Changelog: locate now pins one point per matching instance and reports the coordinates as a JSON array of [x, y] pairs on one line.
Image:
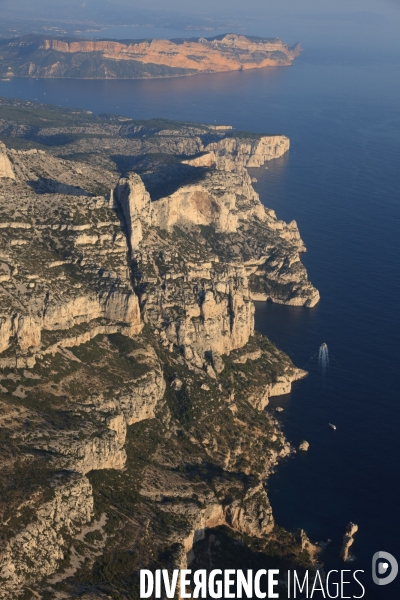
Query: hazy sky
[[326, 22], [262, 7], [277, 7]]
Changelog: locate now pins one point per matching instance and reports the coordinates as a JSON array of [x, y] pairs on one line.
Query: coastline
[[297, 188], [144, 346], [41, 57]]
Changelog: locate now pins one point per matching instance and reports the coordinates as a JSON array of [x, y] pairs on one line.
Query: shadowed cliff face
[[106, 59], [132, 382]]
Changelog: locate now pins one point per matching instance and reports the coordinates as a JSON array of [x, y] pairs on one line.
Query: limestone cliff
[[132, 382], [63, 266], [34, 56], [204, 304], [232, 153], [5, 165]]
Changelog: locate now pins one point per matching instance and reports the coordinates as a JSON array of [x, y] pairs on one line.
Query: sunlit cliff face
[[229, 53]]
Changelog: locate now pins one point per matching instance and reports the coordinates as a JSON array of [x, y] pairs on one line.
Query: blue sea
[[340, 105]]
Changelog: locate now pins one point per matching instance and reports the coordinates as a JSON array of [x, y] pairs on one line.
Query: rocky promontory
[[132, 381], [37, 56]]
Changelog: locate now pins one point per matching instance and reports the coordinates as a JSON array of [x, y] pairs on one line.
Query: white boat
[[333, 426]]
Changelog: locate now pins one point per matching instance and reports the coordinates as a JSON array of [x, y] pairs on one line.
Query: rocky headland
[[132, 382], [37, 56]]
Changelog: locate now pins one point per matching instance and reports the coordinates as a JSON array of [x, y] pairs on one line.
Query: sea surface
[[341, 183]]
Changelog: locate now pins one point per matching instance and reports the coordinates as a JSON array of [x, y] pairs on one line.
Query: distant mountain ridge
[[46, 57]]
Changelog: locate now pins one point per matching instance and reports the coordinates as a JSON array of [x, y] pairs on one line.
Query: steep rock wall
[[206, 305], [6, 169], [232, 153]]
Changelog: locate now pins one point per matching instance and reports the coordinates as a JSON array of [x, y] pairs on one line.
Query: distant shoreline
[[41, 57], [133, 78]]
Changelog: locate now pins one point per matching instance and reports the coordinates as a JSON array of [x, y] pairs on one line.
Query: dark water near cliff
[[341, 183]]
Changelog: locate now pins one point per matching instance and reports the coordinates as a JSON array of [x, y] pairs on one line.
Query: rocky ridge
[[132, 382]]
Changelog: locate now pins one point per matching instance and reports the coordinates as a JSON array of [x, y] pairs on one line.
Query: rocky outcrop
[[90, 436], [92, 450], [64, 266], [249, 514], [35, 551], [211, 309], [281, 387], [217, 317], [232, 153], [283, 384], [309, 299], [217, 201], [32, 56], [252, 515], [139, 403], [100, 443], [348, 540], [27, 329], [5, 164], [135, 204]]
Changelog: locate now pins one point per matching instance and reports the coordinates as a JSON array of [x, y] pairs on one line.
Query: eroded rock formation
[[348, 540]]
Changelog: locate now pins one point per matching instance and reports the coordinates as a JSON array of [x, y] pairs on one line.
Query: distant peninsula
[[45, 57]]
